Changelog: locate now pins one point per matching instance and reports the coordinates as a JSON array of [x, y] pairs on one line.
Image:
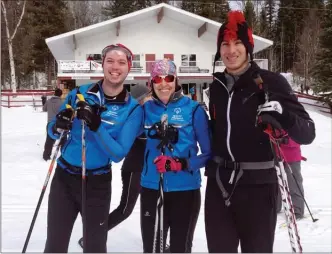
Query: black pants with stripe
[[131, 186], [250, 219], [181, 210], [64, 204]]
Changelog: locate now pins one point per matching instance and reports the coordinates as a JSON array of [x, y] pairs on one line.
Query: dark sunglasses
[[159, 79]]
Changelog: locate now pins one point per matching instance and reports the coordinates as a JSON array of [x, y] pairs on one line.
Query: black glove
[[90, 114], [171, 135], [63, 120]]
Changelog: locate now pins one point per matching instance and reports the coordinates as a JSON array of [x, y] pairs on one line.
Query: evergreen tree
[[116, 8], [250, 15], [269, 9], [141, 4], [263, 24], [211, 9], [322, 69], [44, 19]]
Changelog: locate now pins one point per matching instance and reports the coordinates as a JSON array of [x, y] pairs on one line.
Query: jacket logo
[[112, 111], [177, 110], [177, 116], [115, 108]]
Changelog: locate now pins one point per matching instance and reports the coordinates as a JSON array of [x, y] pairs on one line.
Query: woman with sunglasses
[[175, 125]]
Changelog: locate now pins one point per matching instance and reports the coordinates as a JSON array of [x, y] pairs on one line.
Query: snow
[[24, 172]]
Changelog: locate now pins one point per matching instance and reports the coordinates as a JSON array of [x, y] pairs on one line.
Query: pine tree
[[44, 19], [250, 15], [212, 9], [323, 67], [263, 24], [141, 4], [116, 8], [269, 8]]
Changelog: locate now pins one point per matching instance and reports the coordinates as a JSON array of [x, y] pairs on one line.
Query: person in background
[[52, 106], [291, 152], [131, 169]]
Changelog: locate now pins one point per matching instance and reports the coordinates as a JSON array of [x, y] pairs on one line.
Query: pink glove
[[166, 163]]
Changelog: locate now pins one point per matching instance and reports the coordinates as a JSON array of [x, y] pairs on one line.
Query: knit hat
[[235, 28], [139, 92], [119, 47], [163, 67]]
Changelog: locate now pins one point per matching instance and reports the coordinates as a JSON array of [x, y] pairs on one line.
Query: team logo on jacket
[[115, 107], [177, 110], [177, 116], [113, 111]]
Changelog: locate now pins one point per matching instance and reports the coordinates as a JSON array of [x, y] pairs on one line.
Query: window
[[136, 61], [218, 63], [188, 60], [94, 57]]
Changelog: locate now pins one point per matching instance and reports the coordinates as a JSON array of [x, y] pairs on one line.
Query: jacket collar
[[96, 89], [243, 79]]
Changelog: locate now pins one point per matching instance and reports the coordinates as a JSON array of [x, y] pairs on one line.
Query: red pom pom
[[234, 18]]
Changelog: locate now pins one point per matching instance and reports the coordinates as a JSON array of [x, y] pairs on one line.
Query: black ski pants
[[64, 204], [131, 186], [250, 219], [181, 210]]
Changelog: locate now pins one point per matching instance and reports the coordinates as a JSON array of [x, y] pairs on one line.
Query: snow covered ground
[[23, 173]]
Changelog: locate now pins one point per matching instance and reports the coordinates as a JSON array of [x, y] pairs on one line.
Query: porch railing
[[90, 66]]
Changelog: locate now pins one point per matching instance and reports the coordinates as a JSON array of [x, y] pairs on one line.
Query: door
[[149, 60]]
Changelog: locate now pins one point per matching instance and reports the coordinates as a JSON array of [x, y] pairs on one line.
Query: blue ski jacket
[[191, 121], [122, 122]]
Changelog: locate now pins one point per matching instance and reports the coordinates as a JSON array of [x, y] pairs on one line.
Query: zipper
[[229, 126], [146, 162]]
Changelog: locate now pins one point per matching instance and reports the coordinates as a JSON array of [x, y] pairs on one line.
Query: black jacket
[[134, 160], [233, 117]]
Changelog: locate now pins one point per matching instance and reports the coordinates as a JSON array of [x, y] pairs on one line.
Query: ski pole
[[81, 98], [50, 169], [286, 197], [298, 186], [160, 202], [49, 172]]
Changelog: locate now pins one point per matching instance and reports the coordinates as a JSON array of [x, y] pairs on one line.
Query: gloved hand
[[270, 113], [171, 135], [89, 114], [63, 120], [166, 163]]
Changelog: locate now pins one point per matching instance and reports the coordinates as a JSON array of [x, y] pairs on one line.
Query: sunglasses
[[118, 46], [159, 79]]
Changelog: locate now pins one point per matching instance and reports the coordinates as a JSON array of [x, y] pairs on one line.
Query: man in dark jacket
[[241, 192], [131, 170], [52, 106]]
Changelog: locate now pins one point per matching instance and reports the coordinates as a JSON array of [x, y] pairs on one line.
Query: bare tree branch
[[19, 21]]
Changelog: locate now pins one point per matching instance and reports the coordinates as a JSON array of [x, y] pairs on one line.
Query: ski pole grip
[[80, 97]]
